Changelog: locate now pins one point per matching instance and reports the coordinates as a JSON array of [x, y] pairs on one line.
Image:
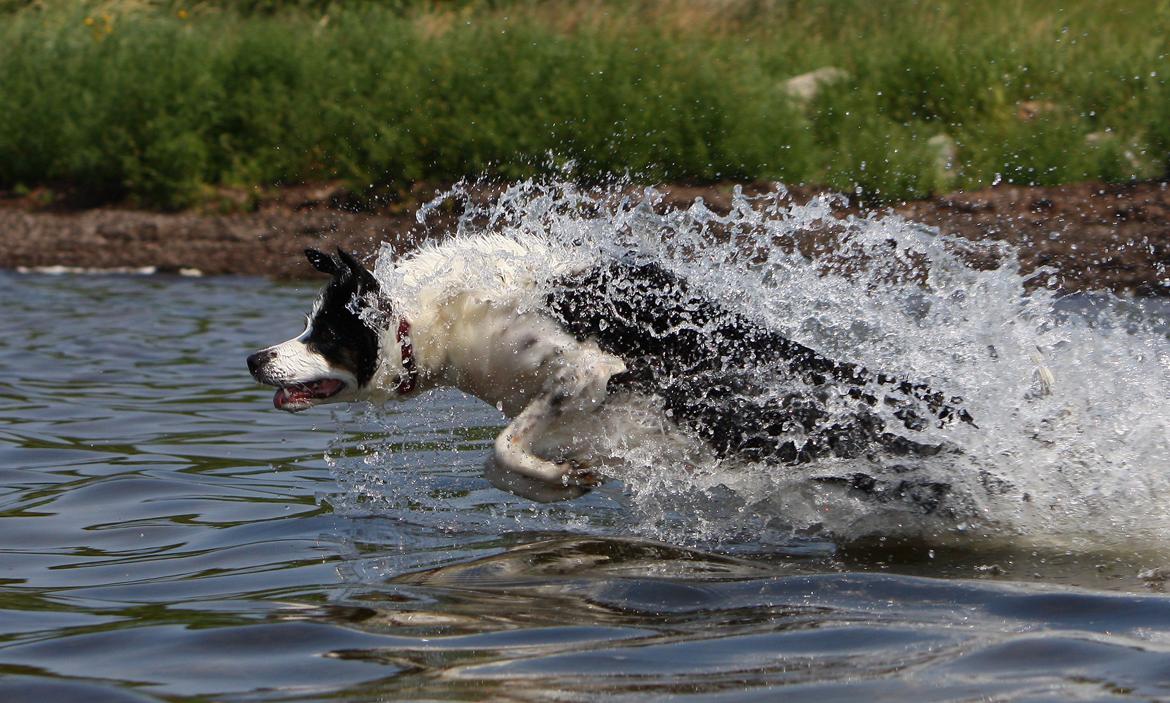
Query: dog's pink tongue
[[287, 396], [281, 398], [299, 394]]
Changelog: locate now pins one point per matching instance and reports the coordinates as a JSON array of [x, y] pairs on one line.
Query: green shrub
[[158, 101]]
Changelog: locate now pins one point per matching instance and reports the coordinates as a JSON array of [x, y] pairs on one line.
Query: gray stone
[[945, 153], [804, 88]]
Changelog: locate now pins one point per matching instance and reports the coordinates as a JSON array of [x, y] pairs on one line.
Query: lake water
[[166, 535]]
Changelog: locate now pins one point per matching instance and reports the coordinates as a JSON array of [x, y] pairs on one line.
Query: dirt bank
[[1096, 236]]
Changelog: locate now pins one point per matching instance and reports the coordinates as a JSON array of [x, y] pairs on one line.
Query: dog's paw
[[577, 474], [540, 490]]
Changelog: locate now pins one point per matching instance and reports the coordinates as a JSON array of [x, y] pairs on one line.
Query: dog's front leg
[[516, 468]]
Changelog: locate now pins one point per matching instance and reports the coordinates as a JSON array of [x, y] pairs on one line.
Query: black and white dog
[[554, 341]]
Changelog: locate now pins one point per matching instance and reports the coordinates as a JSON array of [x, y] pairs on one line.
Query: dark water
[[166, 535]]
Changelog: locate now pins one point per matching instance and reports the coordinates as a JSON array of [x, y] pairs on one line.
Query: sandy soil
[[1096, 236]]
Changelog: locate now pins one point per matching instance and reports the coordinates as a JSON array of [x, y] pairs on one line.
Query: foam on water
[[1070, 396]]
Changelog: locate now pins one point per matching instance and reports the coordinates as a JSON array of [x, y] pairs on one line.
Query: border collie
[[554, 340]]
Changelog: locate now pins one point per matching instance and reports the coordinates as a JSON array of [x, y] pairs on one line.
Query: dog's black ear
[[360, 271], [322, 262]]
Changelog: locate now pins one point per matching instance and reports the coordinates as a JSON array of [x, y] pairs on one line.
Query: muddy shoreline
[[1096, 236]]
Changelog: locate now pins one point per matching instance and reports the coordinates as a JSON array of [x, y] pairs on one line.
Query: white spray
[[1072, 399]]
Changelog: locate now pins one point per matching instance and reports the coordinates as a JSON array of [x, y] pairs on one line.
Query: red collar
[[409, 377]]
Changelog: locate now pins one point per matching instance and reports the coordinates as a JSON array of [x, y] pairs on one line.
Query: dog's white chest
[[506, 357]]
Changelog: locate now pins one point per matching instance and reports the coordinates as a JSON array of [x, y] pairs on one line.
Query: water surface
[[166, 535]]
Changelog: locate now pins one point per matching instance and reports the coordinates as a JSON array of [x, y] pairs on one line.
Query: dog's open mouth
[[299, 396]]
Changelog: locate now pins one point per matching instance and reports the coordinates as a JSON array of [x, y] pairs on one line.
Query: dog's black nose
[[257, 361]]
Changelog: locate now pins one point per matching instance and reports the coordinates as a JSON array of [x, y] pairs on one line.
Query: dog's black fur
[[338, 331], [716, 371]]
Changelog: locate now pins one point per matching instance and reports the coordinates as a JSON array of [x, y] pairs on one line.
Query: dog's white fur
[[474, 326], [293, 363]]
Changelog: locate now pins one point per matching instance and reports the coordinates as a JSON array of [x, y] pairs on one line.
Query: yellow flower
[[88, 21], [182, 13]]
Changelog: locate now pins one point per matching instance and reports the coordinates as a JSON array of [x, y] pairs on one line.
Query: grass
[[161, 102]]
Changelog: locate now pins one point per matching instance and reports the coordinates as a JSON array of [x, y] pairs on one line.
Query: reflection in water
[[576, 617]]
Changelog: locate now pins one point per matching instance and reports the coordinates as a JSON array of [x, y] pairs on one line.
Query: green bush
[[160, 101]]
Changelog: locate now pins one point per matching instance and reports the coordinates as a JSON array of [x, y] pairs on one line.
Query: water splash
[[1073, 437]]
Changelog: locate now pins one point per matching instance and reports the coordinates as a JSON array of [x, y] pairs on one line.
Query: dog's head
[[336, 357]]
